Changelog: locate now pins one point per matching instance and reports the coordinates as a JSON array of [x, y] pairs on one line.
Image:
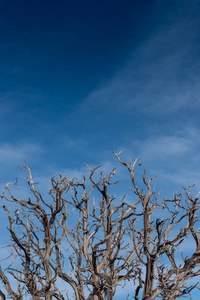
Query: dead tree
[[84, 237]]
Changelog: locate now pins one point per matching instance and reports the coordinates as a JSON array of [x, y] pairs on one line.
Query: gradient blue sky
[[82, 78]]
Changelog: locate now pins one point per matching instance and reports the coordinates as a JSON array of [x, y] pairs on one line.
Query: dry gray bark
[[97, 245]]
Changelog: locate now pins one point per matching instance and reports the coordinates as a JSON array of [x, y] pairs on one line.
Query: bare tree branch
[[85, 238]]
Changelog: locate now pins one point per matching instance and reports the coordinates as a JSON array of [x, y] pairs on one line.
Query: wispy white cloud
[[163, 146], [175, 159], [161, 76], [14, 153]]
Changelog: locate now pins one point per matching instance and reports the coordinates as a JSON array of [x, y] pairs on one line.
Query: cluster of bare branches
[[88, 239]]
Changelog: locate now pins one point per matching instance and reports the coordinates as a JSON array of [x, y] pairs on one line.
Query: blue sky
[[82, 78]]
